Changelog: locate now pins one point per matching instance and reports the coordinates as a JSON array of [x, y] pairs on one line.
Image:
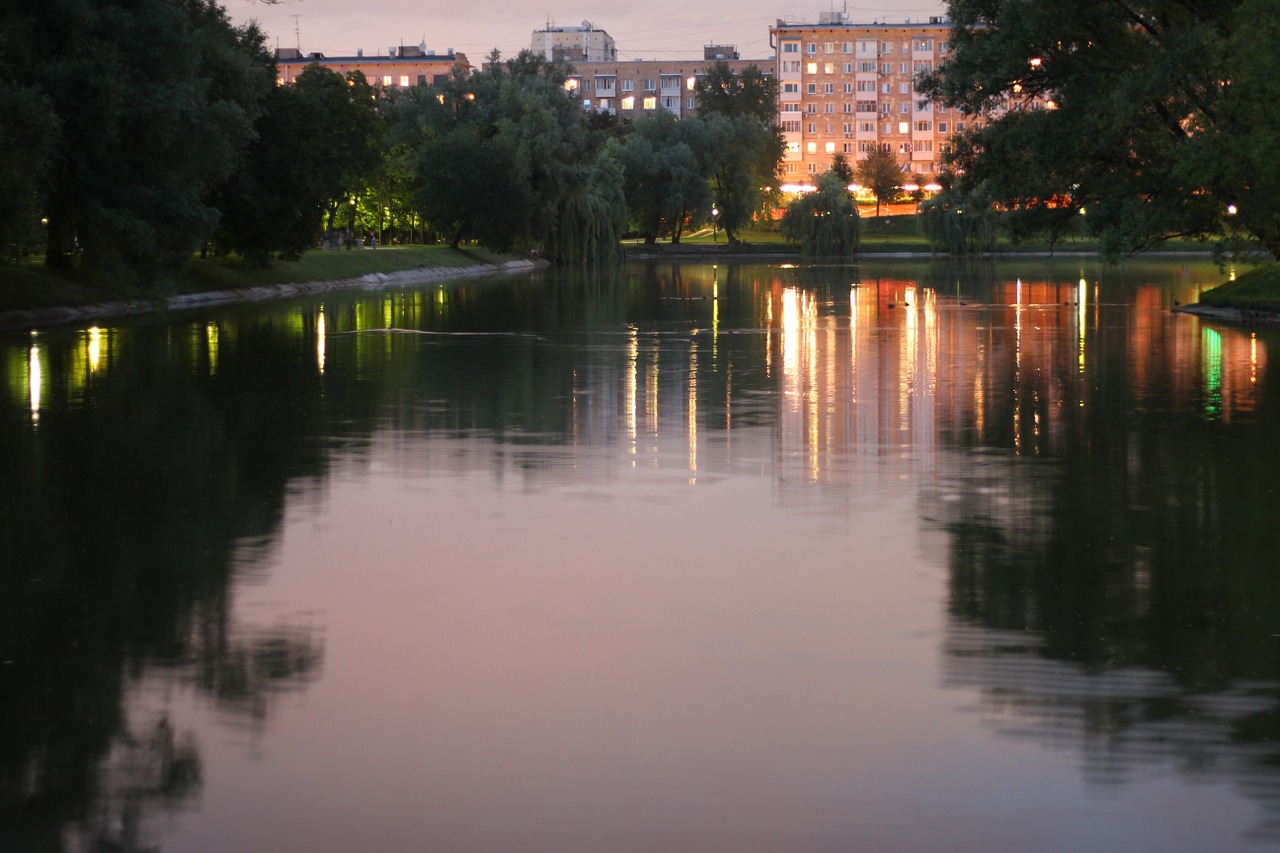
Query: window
[[812, 88], [886, 109], [811, 68], [811, 48], [924, 145], [829, 88], [692, 103], [811, 109], [887, 128], [886, 88], [386, 81], [847, 47], [790, 88], [904, 107], [791, 66], [848, 68], [812, 148], [791, 127], [847, 107], [848, 127], [586, 103], [866, 85], [923, 65], [942, 127], [629, 103], [867, 146], [793, 148], [942, 47], [959, 127], [628, 85], [670, 84], [886, 68], [886, 47], [791, 47], [847, 89], [828, 68], [422, 79], [867, 48], [866, 68], [813, 128], [690, 83], [669, 103], [828, 108], [904, 88], [904, 127], [829, 148], [866, 127], [904, 68], [848, 148], [829, 47], [650, 86], [830, 127], [786, 108], [813, 168], [650, 103], [866, 106], [404, 81], [924, 126], [923, 44], [792, 168]]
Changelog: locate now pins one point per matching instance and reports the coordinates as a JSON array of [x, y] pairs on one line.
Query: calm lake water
[[751, 558]]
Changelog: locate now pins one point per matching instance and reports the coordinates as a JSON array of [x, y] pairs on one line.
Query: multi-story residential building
[[401, 68], [583, 43], [847, 88], [630, 89]]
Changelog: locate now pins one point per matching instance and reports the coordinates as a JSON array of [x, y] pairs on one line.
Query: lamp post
[[715, 224], [351, 230]]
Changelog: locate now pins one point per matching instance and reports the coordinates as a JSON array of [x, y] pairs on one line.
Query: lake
[[751, 557]]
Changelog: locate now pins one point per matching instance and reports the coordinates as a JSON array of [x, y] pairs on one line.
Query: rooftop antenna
[[297, 33]]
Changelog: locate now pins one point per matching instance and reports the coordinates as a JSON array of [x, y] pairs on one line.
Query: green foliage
[[1159, 119], [317, 143], [27, 134], [959, 224], [751, 93], [824, 222], [155, 102], [665, 180], [506, 158], [881, 174]]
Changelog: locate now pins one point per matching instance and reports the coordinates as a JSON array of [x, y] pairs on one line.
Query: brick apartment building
[[401, 67]]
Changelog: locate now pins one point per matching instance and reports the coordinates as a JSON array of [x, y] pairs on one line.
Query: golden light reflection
[[651, 396], [95, 349], [693, 413], [1082, 301], [632, 389], [35, 378], [320, 340], [1253, 358], [211, 345]]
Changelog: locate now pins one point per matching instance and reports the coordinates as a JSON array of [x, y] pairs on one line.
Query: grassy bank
[[1256, 290], [32, 285]]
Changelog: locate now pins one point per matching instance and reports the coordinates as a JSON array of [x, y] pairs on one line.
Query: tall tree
[[881, 174], [155, 102], [1133, 98], [665, 183], [742, 145], [318, 143]]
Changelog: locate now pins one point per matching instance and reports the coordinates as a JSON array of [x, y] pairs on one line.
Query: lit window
[[830, 148], [688, 84], [629, 103], [811, 67], [650, 103], [904, 127], [813, 147], [386, 81]]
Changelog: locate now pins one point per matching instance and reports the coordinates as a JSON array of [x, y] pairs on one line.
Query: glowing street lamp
[[715, 224]]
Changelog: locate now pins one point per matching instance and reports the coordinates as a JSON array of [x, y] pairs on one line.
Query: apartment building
[[846, 88], [401, 67], [632, 88], [585, 43]]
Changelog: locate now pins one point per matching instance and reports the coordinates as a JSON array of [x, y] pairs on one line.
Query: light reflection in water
[[320, 340], [35, 378]]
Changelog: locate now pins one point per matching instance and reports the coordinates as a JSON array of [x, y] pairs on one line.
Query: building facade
[[848, 88], [631, 89], [583, 43], [401, 68]]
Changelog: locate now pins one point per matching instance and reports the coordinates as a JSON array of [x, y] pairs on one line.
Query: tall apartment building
[[630, 89], [400, 68], [584, 43], [846, 88]]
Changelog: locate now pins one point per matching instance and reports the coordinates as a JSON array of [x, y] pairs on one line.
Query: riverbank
[[31, 297], [1254, 298]]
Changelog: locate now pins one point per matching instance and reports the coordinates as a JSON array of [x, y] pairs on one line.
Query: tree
[[665, 183], [318, 143], [27, 134], [506, 157], [958, 224], [825, 221], [741, 144], [1129, 112], [840, 165], [881, 174], [155, 102]]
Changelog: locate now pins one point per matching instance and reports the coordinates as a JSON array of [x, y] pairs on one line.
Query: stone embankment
[[57, 315]]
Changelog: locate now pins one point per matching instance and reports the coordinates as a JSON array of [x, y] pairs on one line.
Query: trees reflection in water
[[1104, 478]]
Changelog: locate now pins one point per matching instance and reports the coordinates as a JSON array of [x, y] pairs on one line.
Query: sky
[[657, 29]]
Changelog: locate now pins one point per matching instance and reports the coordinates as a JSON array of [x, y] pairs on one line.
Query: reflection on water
[[745, 498]]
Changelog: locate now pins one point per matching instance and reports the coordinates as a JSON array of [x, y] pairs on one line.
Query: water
[[888, 557]]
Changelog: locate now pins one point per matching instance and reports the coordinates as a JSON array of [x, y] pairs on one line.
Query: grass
[[32, 285], [1256, 290]]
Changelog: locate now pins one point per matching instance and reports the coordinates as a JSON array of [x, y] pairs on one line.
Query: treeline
[[139, 132]]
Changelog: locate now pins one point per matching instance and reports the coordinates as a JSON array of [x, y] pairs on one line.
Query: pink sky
[[659, 29]]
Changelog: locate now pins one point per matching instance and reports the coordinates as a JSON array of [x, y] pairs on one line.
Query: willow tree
[[825, 221]]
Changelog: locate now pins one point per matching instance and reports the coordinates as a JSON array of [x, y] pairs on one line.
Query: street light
[[351, 238], [715, 223]]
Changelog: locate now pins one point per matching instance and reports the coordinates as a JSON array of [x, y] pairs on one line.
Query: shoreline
[[29, 318]]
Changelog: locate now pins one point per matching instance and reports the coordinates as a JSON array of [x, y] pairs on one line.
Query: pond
[[749, 557]]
